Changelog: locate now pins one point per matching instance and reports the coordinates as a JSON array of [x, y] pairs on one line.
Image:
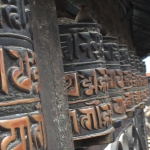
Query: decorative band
[[84, 63], [94, 135], [85, 100], [22, 101]]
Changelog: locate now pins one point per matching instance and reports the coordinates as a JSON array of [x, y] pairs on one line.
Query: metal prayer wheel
[[135, 80], [86, 80], [146, 82], [21, 119], [143, 83], [145, 89], [115, 74], [139, 82], [127, 79]]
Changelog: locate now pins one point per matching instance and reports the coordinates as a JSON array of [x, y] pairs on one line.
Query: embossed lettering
[[119, 78], [38, 131], [135, 80], [18, 78], [106, 115], [96, 44], [3, 81], [115, 78], [111, 51], [89, 82], [66, 46], [128, 99], [18, 123], [99, 116], [85, 47], [137, 97], [103, 80], [72, 84], [34, 72], [74, 32], [88, 120], [127, 78], [74, 120], [112, 81], [124, 59], [118, 106], [12, 16]]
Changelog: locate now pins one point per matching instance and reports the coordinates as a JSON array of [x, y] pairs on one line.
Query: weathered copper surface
[[112, 75], [145, 86], [115, 74], [86, 80], [135, 81], [21, 119], [139, 81], [127, 79], [144, 83], [105, 83]]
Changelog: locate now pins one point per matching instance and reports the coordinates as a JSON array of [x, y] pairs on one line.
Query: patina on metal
[[143, 84], [135, 82], [86, 81], [21, 118], [139, 82], [115, 74], [127, 89], [127, 79]]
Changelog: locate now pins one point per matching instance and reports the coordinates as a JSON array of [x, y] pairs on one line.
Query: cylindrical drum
[[145, 89], [146, 83], [139, 81], [21, 119], [143, 85], [86, 80], [115, 83], [135, 82], [127, 79]]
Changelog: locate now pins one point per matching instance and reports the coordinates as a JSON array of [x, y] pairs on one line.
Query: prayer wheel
[[127, 79], [139, 82], [115, 74], [86, 80], [21, 118]]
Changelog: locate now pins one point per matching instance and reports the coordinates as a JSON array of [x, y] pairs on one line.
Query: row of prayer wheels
[[105, 81]]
